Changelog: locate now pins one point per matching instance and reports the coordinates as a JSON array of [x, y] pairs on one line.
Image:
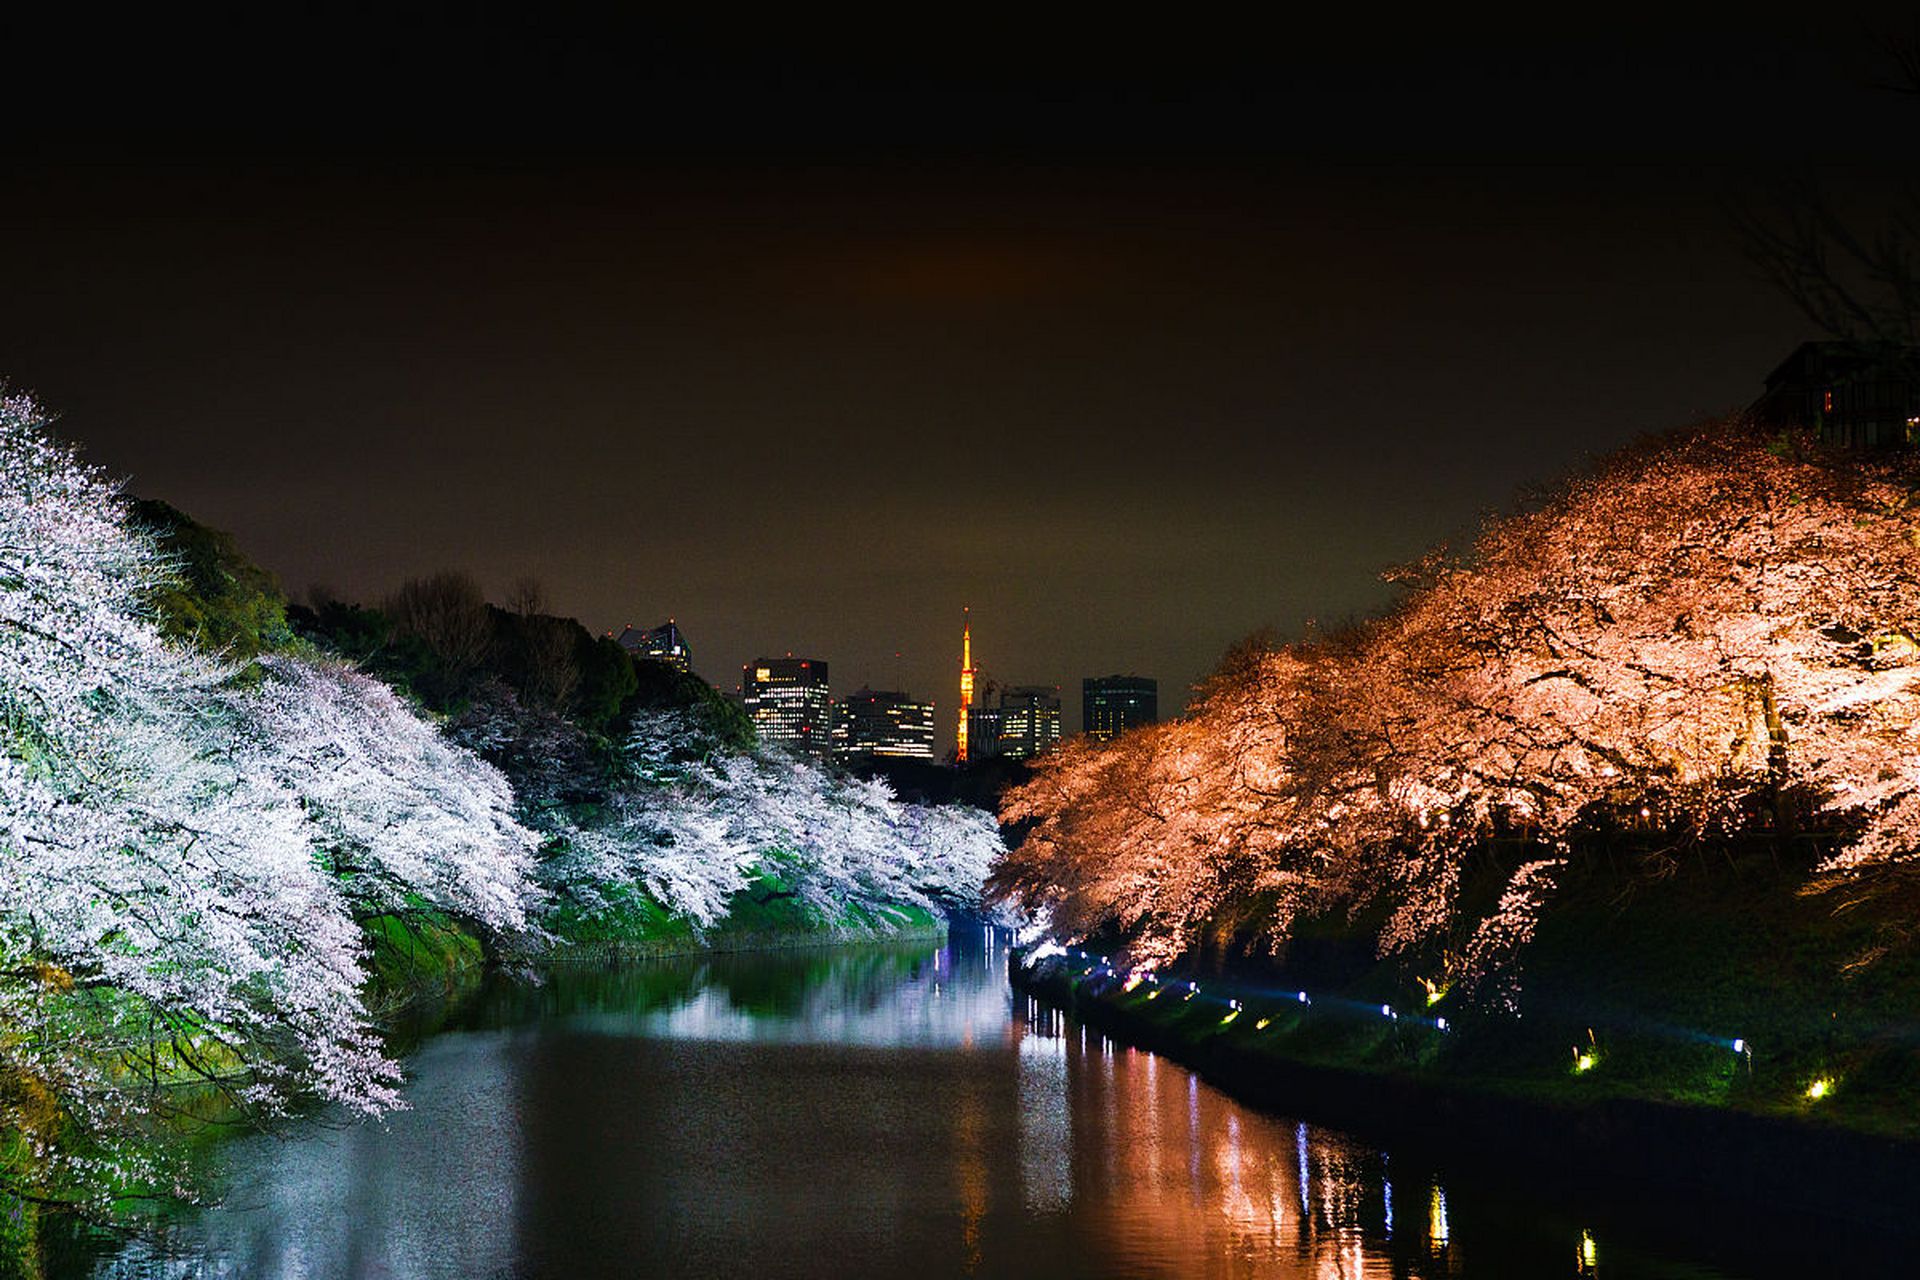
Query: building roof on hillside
[[1828, 359]]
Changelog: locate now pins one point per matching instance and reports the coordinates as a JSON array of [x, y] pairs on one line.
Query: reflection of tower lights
[[970, 1172], [966, 682], [1305, 1178], [1437, 1216]]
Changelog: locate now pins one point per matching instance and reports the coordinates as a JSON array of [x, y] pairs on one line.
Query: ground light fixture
[[1586, 1059], [1820, 1087], [1132, 979]]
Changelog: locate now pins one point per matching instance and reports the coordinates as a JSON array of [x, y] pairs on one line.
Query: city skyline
[[883, 675], [636, 640]]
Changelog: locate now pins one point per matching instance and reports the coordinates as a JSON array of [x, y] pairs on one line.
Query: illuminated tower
[[966, 680]]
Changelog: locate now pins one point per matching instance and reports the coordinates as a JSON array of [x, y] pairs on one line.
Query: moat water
[[877, 1111]]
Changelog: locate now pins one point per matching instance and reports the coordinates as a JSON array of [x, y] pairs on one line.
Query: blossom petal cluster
[[691, 825]]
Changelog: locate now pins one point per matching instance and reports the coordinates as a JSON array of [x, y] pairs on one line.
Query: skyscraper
[[1029, 720], [1110, 705], [983, 732], [788, 702], [664, 643], [878, 724]]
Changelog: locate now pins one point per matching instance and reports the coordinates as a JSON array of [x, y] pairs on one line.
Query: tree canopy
[[1705, 634]]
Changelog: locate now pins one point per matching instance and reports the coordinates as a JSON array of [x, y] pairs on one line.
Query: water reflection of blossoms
[[1184, 1175]]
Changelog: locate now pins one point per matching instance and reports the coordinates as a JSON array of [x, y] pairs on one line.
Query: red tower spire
[[966, 681]]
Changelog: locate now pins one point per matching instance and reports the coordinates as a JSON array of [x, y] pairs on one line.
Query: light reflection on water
[[860, 1111]]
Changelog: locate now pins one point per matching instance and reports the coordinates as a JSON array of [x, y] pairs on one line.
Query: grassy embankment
[[1633, 994], [764, 916]]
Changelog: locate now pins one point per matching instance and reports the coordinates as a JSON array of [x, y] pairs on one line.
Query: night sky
[[1134, 348]]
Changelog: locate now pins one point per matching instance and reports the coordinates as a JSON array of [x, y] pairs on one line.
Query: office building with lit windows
[[983, 732], [788, 702], [880, 724], [1111, 705], [664, 643], [1029, 720]]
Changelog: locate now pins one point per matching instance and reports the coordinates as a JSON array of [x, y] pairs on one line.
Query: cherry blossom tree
[[160, 900], [406, 819], [184, 851], [692, 824], [947, 851], [1700, 635]]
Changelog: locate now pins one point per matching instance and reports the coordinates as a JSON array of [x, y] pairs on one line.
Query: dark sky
[[1134, 346]]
